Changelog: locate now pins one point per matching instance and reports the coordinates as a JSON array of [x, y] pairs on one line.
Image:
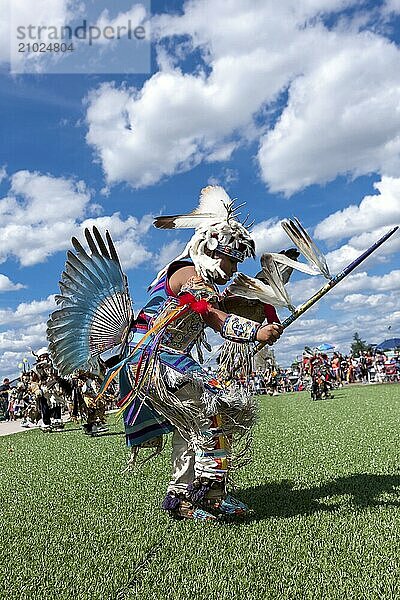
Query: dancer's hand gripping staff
[[331, 283]]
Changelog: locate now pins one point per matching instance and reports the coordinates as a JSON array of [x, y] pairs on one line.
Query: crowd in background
[[41, 398], [336, 369]]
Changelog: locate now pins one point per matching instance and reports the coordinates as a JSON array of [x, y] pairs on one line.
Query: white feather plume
[[293, 264], [254, 289], [272, 275], [214, 205], [306, 245]]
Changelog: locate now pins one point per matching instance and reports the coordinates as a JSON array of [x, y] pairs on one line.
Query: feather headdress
[[214, 206], [217, 228]]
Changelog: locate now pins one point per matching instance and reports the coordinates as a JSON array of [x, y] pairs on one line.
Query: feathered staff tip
[[299, 236]]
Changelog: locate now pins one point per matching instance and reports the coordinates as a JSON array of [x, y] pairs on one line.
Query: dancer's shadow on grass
[[361, 490]]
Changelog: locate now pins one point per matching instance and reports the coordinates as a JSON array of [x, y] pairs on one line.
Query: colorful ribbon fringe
[[148, 346]]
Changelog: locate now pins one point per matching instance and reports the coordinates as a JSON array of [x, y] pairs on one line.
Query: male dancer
[[162, 387]]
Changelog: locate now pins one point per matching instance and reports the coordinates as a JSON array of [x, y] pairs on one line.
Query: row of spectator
[[337, 370]]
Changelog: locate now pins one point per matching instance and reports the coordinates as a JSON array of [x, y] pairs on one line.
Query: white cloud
[[3, 173], [378, 283], [18, 13], [126, 236], [225, 177], [28, 313], [176, 120], [22, 340], [136, 16], [358, 300], [366, 239], [341, 257], [341, 115], [6, 285], [384, 302], [10, 361], [344, 255], [144, 151], [392, 6], [42, 21], [41, 213], [46, 197], [221, 153], [269, 236], [303, 289], [168, 252], [364, 224], [26, 330], [374, 211]]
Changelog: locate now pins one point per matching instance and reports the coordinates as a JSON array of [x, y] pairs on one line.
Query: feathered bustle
[[95, 311]]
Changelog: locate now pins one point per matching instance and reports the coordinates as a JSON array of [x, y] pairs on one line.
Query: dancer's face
[[228, 266]]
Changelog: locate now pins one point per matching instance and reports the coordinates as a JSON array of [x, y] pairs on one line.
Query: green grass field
[[324, 483]]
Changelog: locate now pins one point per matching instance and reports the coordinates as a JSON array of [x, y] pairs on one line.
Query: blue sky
[[294, 109]]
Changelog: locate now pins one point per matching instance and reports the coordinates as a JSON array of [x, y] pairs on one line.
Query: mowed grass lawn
[[324, 483]]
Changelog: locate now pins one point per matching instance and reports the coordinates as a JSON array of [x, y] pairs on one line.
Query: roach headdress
[[217, 229]]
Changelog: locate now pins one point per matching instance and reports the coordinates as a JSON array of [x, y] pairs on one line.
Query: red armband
[[202, 307]]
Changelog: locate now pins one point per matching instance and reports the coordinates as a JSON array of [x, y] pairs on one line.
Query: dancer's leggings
[[208, 461]]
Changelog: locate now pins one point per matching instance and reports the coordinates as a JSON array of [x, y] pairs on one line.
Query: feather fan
[[94, 307]]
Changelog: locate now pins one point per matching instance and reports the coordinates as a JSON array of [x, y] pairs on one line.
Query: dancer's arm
[[216, 318]]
